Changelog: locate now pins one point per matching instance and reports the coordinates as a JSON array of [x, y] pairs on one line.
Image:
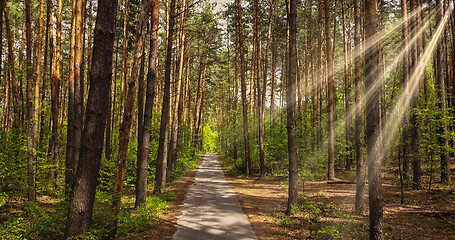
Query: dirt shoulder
[[327, 211]]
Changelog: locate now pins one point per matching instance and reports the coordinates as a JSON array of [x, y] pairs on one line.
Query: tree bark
[[360, 165], [83, 197], [347, 92], [125, 126], [414, 121], [55, 87], [124, 86], [172, 163], [440, 87], [11, 70], [372, 130], [405, 45], [242, 80], [75, 98], [142, 163], [161, 161], [330, 82], [33, 130], [259, 90], [290, 106]]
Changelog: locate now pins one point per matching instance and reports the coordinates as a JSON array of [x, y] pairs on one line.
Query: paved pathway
[[211, 210]]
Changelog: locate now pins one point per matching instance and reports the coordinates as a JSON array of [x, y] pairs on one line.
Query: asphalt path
[[211, 210]]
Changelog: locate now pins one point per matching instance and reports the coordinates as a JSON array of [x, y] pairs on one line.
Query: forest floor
[[326, 211], [165, 226]]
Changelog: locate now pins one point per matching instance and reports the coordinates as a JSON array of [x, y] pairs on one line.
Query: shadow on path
[[211, 210]]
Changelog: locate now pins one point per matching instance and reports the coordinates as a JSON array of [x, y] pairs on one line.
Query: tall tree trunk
[[48, 54], [290, 106], [242, 80], [142, 163], [55, 87], [161, 160], [29, 115], [414, 121], [125, 126], [11, 70], [75, 93], [172, 162], [330, 83], [83, 197], [257, 35], [273, 78], [405, 45], [440, 86], [124, 86], [347, 93], [360, 166], [372, 125], [319, 79], [33, 130]]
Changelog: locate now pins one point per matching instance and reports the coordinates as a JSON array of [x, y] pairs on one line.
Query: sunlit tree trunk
[[162, 147], [405, 43], [372, 130], [347, 92], [319, 81], [360, 166], [125, 126], [83, 197], [142, 163], [75, 92], [172, 162], [330, 82], [33, 128], [124, 86], [273, 78], [259, 90], [243, 86], [414, 121]]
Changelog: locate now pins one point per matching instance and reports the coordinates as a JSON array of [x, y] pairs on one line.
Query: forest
[[332, 119]]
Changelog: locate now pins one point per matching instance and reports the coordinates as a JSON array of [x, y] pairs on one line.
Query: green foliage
[[140, 219], [330, 232], [208, 138], [37, 223], [13, 166]]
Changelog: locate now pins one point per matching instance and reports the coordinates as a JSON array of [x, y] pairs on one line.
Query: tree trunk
[[330, 82], [75, 93], [347, 93], [242, 80], [33, 130], [259, 90], [440, 86], [11, 70], [161, 161], [172, 162], [372, 130], [55, 87], [142, 163], [124, 86], [290, 106], [273, 79], [360, 166], [83, 197], [414, 121], [125, 126]]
